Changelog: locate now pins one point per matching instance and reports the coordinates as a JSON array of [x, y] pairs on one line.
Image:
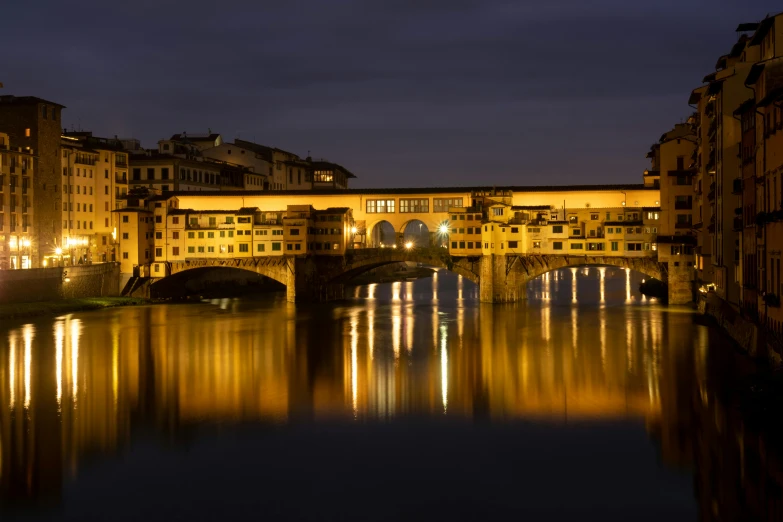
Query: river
[[408, 401]]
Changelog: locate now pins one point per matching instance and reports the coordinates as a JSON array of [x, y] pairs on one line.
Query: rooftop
[[26, 100]]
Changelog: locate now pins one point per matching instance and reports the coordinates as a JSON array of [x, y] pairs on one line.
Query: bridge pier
[[680, 284], [499, 282]]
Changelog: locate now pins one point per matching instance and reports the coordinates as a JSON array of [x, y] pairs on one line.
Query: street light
[[443, 228], [409, 245], [59, 253]]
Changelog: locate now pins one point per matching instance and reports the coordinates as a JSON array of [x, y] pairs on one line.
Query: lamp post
[[444, 232], [59, 253]]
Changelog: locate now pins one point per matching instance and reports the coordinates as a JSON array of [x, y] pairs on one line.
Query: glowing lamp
[[444, 228], [353, 230], [409, 245], [58, 251]]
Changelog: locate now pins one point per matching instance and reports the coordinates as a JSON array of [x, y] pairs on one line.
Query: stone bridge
[[501, 278]]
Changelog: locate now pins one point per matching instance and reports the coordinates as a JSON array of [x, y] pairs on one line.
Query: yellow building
[[94, 183], [135, 231], [17, 235]]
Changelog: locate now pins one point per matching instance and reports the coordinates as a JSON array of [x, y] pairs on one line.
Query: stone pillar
[[307, 280], [680, 283], [495, 286]]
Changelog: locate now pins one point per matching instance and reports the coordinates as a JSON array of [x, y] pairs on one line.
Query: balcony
[[121, 179], [737, 224], [736, 186], [121, 162]]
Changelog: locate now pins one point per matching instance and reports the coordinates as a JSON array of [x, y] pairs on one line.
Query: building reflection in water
[[79, 386]]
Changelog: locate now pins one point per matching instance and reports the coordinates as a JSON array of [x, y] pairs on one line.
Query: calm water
[[410, 401]]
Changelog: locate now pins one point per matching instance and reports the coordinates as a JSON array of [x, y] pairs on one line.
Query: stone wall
[[50, 284], [742, 330]]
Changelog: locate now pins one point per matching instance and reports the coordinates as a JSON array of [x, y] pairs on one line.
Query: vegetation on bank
[[64, 306]]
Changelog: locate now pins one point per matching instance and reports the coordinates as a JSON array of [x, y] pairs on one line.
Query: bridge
[[500, 278], [313, 242]]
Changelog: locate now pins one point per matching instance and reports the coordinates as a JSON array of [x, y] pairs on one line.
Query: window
[[323, 176], [454, 244], [515, 230], [174, 251], [125, 255], [594, 217], [158, 219], [577, 246], [380, 206], [414, 205], [243, 247], [297, 247], [289, 246], [158, 235], [201, 235], [536, 244], [470, 244], [633, 247], [443, 204], [210, 235], [615, 246], [595, 246], [276, 247], [557, 229], [294, 231], [201, 250], [136, 174], [175, 235], [260, 247], [498, 211], [125, 235], [158, 252], [557, 245], [211, 249], [175, 221], [513, 244], [576, 231]]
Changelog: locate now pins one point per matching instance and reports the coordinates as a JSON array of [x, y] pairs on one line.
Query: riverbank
[[64, 306]]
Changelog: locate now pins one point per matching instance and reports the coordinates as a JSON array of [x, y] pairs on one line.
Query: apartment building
[[17, 235], [135, 230], [765, 80], [33, 125], [94, 185]]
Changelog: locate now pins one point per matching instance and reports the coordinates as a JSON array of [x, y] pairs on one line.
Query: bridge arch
[[381, 232], [537, 265], [469, 268], [275, 268]]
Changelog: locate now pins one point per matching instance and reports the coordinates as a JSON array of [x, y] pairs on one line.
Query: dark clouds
[[405, 92]]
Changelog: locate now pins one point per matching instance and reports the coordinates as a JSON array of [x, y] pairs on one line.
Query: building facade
[[17, 233], [33, 125]]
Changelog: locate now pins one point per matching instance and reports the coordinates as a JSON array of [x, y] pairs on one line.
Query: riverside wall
[[51, 284]]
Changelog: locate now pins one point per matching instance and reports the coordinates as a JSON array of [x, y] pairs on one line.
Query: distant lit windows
[[380, 206], [443, 204], [414, 205], [323, 176], [536, 244]]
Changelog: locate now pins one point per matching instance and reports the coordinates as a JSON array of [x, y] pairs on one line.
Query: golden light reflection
[[573, 285], [602, 334], [371, 332], [409, 290], [547, 287], [575, 331], [396, 291], [371, 290], [115, 360], [59, 338], [444, 367], [396, 328], [602, 287], [12, 369], [27, 333], [628, 285], [409, 322], [460, 288], [75, 332], [355, 362], [435, 285]]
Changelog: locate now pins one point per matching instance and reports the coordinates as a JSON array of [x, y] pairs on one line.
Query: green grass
[[17, 310]]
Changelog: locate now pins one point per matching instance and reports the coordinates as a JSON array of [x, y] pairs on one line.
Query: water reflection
[[590, 349]]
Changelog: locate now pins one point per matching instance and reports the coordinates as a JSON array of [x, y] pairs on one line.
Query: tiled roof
[[25, 100]]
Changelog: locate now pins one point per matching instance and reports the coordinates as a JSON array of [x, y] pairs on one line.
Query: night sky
[[403, 93]]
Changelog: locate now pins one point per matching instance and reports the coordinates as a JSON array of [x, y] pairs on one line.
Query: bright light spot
[[444, 228], [394, 246], [409, 245], [58, 251], [353, 230], [44, 263], [444, 367], [27, 333]]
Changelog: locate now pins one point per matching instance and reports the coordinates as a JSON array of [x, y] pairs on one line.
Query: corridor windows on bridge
[[244, 247], [409, 206], [276, 247], [380, 206], [577, 246], [191, 250], [595, 246], [444, 204]]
